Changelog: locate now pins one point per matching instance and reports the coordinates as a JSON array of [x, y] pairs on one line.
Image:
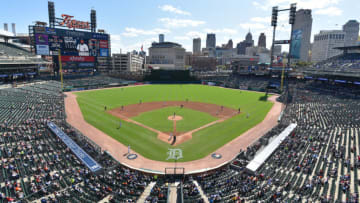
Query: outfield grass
[[158, 119], [144, 141]]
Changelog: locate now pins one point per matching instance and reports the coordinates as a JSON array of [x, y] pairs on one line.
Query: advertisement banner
[[78, 58], [42, 49], [77, 62], [41, 39], [296, 44], [104, 44], [104, 52]]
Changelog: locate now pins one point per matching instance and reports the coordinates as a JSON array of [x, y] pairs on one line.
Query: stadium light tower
[[275, 11], [292, 16], [51, 10]]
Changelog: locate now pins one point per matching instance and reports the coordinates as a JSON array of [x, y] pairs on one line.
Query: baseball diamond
[[210, 117]]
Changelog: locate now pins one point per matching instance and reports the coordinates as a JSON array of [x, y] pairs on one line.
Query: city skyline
[[137, 24]]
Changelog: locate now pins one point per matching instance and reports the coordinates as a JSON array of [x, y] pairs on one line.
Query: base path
[[117, 149], [126, 112], [133, 110]]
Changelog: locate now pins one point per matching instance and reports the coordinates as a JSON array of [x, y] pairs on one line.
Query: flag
[[141, 47]]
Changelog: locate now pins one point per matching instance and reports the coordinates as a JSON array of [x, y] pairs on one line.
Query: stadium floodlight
[[51, 9], [275, 11], [93, 20], [292, 14]]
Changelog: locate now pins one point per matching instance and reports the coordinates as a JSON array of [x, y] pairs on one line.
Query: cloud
[[195, 34], [181, 38], [261, 19], [146, 43], [116, 43], [134, 32], [331, 11], [306, 4], [253, 26], [172, 9], [180, 23], [221, 31]]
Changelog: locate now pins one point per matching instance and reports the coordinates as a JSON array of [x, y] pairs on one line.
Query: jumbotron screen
[[71, 43], [78, 49]]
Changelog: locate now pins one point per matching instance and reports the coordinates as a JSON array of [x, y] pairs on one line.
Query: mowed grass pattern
[[158, 119], [144, 141]]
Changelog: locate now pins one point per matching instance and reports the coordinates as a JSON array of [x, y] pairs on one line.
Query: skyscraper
[[210, 40], [303, 24], [325, 42], [248, 42], [262, 40], [197, 46], [351, 29], [230, 44], [161, 38]]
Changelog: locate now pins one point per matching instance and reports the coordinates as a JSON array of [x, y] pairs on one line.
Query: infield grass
[[158, 119], [145, 142]]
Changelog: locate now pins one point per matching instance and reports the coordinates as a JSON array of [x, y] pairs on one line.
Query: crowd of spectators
[[349, 63], [318, 162]]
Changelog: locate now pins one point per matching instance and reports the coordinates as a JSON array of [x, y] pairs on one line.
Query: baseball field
[[133, 116]]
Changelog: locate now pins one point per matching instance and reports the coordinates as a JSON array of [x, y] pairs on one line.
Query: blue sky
[[133, 23]]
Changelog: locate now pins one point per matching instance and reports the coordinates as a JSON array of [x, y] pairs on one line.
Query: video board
[[70, 42]]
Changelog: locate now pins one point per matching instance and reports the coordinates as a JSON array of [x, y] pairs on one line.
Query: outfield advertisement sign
[[296, 43], [76, 149], [73, 62]]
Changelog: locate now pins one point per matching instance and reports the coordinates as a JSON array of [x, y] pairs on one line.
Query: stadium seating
[[318, 162], [95, 82], [349, 63], [9, 49], [35, 164]]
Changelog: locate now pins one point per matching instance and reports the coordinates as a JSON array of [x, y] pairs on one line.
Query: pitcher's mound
[[176, 118]]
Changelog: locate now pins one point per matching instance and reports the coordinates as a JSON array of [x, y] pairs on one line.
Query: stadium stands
[[318, 162], [36, 164], [8, 49], [94, 82], [339, 65]]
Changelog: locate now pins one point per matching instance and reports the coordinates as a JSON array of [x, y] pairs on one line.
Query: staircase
[[201, 191], [146, 192], [173, 192]]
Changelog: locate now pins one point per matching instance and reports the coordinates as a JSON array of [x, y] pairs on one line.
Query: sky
[[136, 23]]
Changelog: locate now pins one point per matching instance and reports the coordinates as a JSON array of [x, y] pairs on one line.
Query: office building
[[351, 29], [302, 26], [262, 40], [167, 56], [210, 40], [277, 50], [128, 62], [203, 63], [248, 42], [197, 46], [161, 38], [325, 42]]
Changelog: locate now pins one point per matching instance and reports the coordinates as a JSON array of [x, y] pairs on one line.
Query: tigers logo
[[70, 23], [174, 154]]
